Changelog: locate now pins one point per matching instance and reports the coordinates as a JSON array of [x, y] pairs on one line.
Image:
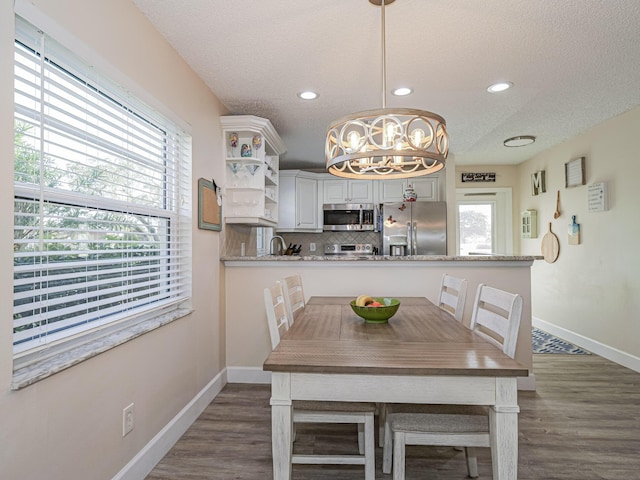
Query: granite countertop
[[382, 258]]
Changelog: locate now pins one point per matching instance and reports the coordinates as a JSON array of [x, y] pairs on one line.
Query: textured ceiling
[[574, 63]]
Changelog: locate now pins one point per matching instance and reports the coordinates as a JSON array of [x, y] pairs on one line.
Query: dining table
[[422, 355]]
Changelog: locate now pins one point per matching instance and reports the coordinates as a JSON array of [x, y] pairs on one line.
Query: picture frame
[[538, 183], [209, 212], [478, 177], [574, 174]]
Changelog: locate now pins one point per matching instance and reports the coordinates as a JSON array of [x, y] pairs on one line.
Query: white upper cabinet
[[299, 209], [251, 151], [427, 189], [347, 191]]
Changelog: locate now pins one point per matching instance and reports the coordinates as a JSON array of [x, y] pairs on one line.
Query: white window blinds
[[102, 227]]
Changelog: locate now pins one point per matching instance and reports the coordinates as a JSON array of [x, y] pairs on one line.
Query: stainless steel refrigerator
[[413, 228]]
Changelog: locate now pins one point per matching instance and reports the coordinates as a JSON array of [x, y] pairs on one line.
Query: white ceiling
[[574, 63]]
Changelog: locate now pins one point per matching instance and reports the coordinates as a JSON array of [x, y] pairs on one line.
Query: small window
[[476, 227], [484, 224]]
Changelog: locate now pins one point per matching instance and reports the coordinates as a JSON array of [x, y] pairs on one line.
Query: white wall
[[69, 425], [591, 294]]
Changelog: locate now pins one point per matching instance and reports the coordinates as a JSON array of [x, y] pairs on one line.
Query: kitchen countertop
[[382, 258]]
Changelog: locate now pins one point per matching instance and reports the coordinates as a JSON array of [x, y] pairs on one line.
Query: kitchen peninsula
[[247, 335]]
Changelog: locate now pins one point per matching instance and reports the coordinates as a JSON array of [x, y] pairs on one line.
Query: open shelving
[[251, 150]]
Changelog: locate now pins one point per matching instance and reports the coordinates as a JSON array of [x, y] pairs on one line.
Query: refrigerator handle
[[409, 239], [414, 239]]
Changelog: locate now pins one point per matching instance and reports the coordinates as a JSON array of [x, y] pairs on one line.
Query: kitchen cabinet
[[427, 189], [347, 191], [298, 206], [251, 151]]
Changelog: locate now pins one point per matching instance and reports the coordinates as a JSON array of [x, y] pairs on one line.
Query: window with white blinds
[[102, 216]]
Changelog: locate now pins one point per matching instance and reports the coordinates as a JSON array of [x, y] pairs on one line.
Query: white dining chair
[[453, 293], [496, 317], [293, 296], [359, 413], [451, 298]]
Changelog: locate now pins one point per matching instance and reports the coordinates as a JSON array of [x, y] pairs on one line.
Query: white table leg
[[281, 425], [503, 419]]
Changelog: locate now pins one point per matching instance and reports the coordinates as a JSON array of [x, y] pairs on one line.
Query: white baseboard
[[610, 353], [147, 458], [527, 383], [248, 375]]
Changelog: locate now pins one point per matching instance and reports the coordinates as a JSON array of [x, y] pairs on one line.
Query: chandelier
[[388, 142]]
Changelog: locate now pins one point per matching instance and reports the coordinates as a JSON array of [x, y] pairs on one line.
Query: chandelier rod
[[384, 60]]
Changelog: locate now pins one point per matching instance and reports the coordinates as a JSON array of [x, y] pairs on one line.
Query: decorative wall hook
[[218, 191]]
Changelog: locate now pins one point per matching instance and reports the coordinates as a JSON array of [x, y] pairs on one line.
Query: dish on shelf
[[245, 150], [257, 142]]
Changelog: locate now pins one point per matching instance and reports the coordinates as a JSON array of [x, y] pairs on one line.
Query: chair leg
[[472, 461], [398, 456], [361, 438], [382, 418], [369, 447], [387, 448]]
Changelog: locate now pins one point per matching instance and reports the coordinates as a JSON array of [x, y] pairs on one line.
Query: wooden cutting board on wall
[[550, 246], [574, 232]]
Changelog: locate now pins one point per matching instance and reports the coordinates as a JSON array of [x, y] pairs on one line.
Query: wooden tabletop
[[420, 339]]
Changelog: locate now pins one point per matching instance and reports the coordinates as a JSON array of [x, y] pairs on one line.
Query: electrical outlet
[[312, 247], [127, 420]]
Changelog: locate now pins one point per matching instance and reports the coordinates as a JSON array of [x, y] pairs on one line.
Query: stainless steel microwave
[[348, 217]]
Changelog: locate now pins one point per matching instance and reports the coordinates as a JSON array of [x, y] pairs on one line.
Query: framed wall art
[[209, 211], [538, 183], [574, 174], [478, 177]]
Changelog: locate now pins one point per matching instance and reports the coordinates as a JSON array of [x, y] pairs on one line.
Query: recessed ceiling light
[[308, 95], [520, 141], [499, 87], [402, 91]]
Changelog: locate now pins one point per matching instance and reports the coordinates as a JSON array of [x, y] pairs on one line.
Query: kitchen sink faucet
[[280, 249]]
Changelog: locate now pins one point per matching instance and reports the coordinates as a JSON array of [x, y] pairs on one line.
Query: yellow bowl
[[377, 314]]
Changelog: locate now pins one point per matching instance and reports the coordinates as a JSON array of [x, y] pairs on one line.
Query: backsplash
[[321, 239], [236, 234]]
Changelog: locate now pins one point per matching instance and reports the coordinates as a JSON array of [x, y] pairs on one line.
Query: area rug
[[544, 342]]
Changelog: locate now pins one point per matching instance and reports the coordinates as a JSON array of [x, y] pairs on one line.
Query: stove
[[354, 249]]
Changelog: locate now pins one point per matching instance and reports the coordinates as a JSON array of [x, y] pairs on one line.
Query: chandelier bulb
[[354, 140], [417, 136], [389, 133]]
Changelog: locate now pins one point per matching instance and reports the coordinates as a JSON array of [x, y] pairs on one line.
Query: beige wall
[[69, 425], [593, 289]]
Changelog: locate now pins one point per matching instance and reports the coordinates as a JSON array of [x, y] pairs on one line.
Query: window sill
[[43, 364]]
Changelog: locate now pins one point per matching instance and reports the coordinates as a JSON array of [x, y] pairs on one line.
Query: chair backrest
[[496, 316], [276, 309], [453, 293], [293, 296]]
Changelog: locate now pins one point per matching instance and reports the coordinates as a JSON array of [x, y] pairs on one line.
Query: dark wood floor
[[583, 422]]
